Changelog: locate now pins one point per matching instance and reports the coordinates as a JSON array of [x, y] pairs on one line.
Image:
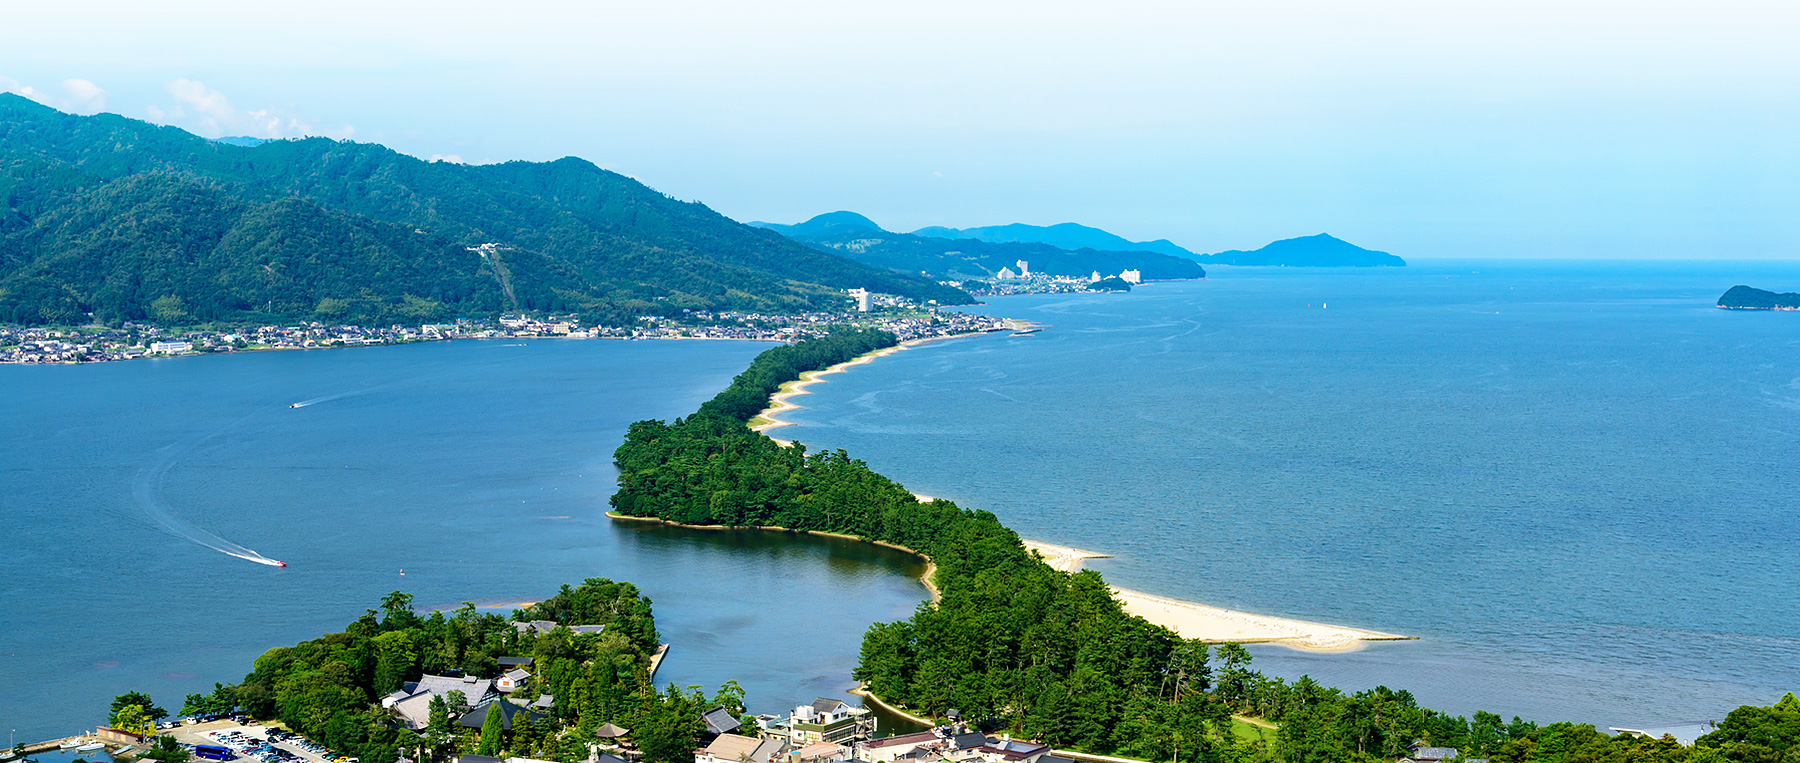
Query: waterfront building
[[1131, 276], [829, 720], [862, 299], [1006, 274], [1024, 268]]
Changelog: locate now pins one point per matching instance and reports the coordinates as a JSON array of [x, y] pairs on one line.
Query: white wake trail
[[148, 488]]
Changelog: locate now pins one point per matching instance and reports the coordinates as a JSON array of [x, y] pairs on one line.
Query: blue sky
[[1428, 129]]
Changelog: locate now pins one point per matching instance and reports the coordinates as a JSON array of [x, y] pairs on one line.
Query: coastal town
[[98, 344]]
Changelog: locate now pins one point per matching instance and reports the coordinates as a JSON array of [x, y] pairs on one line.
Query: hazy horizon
[[1588, 130]]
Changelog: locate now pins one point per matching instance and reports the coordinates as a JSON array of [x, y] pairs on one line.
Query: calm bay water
[[481, 469], [1575, 482]]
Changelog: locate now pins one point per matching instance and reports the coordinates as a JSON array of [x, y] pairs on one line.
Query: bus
[[212, 752]]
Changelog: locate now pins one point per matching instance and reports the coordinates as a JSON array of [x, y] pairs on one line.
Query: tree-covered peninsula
[[1747, 298], [107, 219], [1018, 646]]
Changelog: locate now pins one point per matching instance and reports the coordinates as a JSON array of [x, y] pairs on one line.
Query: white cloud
[[84, 96], [8, 85], [208, 112]]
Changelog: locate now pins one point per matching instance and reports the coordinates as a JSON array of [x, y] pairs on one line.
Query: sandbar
[[1213, 624]]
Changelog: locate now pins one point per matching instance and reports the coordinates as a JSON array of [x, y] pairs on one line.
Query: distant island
[[1746, 298], [1321, 251]]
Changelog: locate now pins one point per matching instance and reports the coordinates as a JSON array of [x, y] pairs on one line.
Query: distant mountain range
[[861, 239], [1321, 251], [112, 219], [981, 252], [1747, 298], [1066, 236]]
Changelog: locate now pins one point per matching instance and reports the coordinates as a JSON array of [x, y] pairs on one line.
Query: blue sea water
[[1576, 483], [479, 469]]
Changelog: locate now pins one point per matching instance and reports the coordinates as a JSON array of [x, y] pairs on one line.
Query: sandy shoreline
[[1213, 624], [779, 402]]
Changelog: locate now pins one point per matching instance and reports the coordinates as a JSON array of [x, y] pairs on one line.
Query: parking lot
[[266, 744]]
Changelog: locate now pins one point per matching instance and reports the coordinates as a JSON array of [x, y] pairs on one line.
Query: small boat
[[90, 747], [281, 564], [71, 744]]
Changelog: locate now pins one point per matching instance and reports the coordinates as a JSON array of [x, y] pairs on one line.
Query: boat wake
[[147, 493]]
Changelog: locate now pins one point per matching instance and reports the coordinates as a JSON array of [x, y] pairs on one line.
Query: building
[[1095, 278], [829, 720], [413, 701], [1024, 268], [719, 721], [820, 752], [1418, 752], [862, 299], [170, 348], [509, 714], [511, 680], [1006, 274], [733, 748], [1131, 276]]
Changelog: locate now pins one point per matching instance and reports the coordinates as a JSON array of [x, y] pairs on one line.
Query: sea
[[1573, 482], [138, 496]]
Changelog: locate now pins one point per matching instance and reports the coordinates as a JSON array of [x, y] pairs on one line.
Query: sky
[[1573, 129]]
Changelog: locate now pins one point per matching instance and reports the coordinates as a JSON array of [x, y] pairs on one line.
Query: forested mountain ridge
[[106, 215], [1320, 251], [1065, 236], [859, 238]]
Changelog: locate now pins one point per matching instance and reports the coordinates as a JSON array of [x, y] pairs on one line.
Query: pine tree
[[490, 731]]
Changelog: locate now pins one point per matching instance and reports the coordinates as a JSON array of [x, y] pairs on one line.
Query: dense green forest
[[329, 688], [1051, 655], [106, 216], [1749, 298], [859, 238]]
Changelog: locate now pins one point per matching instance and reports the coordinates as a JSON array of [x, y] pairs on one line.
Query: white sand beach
[[1216, 625]]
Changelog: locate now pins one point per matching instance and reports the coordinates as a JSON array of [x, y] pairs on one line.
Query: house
[[889, 749], [948, 743], [511, 680], [829, 720], [1418, 752], [508, 663], [587, 628], [476, 759], [509, 714], [820, 752], [735, 748], [535, 627], [545, 702], [1006, 750], [413, 701], [719, 721]]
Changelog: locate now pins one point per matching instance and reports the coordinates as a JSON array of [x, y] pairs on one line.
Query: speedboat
[[281, 564], [90, 747]]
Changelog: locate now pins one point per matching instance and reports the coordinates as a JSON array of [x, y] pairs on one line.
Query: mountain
[[1746, 298], [111, 217], [828, 224], [1321, 251], [859, 238], [1065, 236]]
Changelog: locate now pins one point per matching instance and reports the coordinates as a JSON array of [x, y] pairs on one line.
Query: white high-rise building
[[1095, 278], [862, 299], [1006, 274], [1024, 269], [1131, 276]]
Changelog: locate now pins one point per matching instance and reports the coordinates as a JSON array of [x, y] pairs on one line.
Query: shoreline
[[780, 402], [924, 576], [1212, 625]]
